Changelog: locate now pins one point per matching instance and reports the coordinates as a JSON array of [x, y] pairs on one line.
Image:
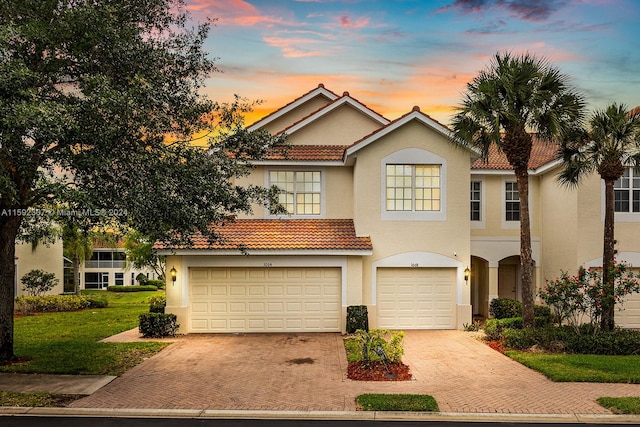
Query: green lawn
[[621, 405], [582, 367], [68, 343], [397, 402]]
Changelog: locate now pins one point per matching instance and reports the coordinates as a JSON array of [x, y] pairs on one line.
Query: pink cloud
[[291, 47], [233, 12], [347, 22]]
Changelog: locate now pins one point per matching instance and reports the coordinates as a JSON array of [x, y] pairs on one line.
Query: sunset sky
[[394, 54]]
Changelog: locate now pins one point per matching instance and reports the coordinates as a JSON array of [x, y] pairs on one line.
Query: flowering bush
[[573, 297]]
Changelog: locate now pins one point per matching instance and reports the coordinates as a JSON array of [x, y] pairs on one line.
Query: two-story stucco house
[[384, 213]]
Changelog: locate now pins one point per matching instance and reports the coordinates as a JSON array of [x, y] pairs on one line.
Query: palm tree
[[612, 144], [77, 246], [517, 95]]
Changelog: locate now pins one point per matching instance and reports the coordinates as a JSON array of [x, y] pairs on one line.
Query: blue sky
[[395, 54]]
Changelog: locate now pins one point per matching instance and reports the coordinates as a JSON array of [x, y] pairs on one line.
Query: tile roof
[[307, 153], [542, 153], [283, 234]]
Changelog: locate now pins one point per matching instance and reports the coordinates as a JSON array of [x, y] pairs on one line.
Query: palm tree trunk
[[607, 321], [9, 230], [76, 273], [526, 260]]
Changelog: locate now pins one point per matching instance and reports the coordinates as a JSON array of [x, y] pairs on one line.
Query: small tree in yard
[[575, 297], [38, 282]]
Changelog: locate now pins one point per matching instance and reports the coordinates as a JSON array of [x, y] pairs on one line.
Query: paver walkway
[[307, 372]]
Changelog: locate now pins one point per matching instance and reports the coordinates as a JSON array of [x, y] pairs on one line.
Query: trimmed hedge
[[357, 318], [157, 303], [504, 308], [158, 325], [50, 303], [155, 282], [134, 288], [494, 328]]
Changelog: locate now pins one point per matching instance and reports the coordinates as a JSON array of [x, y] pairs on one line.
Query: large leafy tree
[[89, 92], [515, 96], [611, 144]]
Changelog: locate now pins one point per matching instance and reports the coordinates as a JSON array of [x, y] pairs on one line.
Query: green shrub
[[543, 312], [156, 282], [142, 279], [357, 318], [135, 288], [38, 282], [503, 308], [49, 303], [493, 328], [157, 303], [158, 325], [391, 342], [96, 301], [616, 342]]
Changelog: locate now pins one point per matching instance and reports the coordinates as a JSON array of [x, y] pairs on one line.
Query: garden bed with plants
[[376, 355]]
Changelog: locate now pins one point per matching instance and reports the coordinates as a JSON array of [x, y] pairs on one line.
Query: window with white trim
[[512, 201], [627, 191], [301, 191], [413, 187], [476, 200]]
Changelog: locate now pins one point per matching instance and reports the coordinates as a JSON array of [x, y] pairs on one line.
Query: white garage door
[[629, 316], [416, 298], [264, 299]]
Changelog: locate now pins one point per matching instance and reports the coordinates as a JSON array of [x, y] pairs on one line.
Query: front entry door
[[508, 281]]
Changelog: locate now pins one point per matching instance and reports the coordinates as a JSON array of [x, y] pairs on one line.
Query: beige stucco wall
[[418, 240], [559, 212], [47, 258], [293, 116], [342, 126], [337, 191]]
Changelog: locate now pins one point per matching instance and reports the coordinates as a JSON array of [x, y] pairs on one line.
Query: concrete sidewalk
[[56, 384]]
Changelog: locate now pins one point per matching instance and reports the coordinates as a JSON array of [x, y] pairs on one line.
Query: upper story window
[[106, 259], [413, 187], [475, 196], [512, 202], [301, 190], [627, 191]]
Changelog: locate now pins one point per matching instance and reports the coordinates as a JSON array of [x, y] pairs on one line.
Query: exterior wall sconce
[[174, 274], [467, 274]]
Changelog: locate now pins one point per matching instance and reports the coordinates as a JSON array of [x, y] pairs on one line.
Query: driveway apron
[[307, 372]]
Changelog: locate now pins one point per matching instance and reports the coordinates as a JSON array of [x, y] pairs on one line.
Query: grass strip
[[621, 405], [397, 402], [36, 400], [582, 367]]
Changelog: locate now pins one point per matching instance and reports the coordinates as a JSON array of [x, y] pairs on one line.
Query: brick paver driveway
[[307, 372]]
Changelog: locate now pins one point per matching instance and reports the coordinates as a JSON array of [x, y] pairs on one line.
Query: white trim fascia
[[337, 103], [395, 125], [547, 167], [256, 253], [296, 163], [279, 113]]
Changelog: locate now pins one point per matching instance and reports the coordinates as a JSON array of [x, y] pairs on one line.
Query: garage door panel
[[416, 298], [629, 316], [262, 300]]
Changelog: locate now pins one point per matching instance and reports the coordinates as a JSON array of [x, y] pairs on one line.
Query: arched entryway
[[479, 282]]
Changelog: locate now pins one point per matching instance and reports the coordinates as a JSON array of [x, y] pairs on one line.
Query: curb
[[319, 415]]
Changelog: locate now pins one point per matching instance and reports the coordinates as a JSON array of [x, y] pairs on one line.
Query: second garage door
[[264, 299], [416, 298]]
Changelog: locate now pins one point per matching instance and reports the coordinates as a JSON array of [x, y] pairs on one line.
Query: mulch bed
[[497, 345], [376, 371]]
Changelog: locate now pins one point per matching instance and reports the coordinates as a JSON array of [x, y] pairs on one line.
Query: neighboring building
[[106, 267], [387, 214], [44, 257]]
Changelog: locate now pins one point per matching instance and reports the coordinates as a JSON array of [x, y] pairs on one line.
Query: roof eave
[[273, 252]]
